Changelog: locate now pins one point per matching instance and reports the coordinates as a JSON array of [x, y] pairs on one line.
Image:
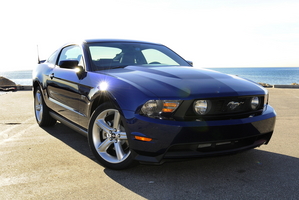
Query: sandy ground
[[55, 163]]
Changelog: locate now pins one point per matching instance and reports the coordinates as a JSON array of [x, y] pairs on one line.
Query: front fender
[[39, 79], [123, 94]]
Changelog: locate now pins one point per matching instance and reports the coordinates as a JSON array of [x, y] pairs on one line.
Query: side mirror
[[190, 62], [81, 73], [68, 64], [73, 64]]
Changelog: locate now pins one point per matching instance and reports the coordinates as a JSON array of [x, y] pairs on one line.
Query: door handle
[[51, 76]]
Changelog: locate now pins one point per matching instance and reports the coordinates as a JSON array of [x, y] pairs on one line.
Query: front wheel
[[41, 110], [107, 138]]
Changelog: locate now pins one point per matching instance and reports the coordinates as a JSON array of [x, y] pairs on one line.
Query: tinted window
[[110, 55], [100, 52], [154, 56], [52, 58], [70, 53]]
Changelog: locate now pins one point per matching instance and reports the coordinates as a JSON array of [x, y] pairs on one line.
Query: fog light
[[202, 107], [255, 102]]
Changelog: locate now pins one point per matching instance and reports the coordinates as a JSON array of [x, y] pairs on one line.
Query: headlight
[[156, 107], [202, 107], [255, 102], [151, 107]]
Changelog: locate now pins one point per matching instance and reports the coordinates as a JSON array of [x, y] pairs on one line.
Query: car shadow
[[70, 138], [254, 174]]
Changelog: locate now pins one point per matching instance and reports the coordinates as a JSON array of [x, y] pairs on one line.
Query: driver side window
[[71, 53]]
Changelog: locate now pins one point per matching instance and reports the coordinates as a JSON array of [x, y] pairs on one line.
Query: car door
[[63, 85], [102, 56]]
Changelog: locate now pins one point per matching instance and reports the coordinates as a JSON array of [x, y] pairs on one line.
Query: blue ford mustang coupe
[[140, 101]]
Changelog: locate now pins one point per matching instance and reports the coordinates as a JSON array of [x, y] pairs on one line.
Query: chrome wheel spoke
[[38, 106], [39, 98], [116, 120], [103, 125], [104, 145], [40, 114], [119, 151]]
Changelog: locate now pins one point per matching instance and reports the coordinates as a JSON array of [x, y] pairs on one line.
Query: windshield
[[115, 55]]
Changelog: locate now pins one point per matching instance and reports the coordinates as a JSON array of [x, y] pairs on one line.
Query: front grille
[[221, 109]]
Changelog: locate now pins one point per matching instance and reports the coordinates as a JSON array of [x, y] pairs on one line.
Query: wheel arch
[[100, 99], [35, 84]]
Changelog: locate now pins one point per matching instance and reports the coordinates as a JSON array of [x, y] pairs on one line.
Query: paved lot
[[55, 163]]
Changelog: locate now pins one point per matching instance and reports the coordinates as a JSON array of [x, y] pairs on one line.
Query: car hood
[[179, 82]]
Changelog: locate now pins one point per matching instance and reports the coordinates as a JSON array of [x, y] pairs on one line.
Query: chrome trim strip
[[66, 107]]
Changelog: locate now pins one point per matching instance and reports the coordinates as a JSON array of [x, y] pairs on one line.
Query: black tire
[[107, 138], [41, 110]]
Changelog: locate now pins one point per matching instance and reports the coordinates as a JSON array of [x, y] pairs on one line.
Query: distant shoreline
[[266, 76], [29, 87]]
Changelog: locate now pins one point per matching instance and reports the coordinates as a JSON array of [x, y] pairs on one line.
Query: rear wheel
[[41, 110], [108, 139]]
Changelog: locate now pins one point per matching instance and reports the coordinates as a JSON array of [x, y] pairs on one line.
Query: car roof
[[114, 40], [90, 41]]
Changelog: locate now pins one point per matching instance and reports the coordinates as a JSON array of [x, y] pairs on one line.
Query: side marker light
[[145, 139]]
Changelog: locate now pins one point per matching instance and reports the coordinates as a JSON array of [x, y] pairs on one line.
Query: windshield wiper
[[120, 66], [111, 67]]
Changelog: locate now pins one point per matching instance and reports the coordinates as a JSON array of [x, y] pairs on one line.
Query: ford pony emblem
[[233, 105]]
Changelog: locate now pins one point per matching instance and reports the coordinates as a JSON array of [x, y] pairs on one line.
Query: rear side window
[[52, 59]]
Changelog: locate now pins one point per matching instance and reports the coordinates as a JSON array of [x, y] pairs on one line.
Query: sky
[[211, 33]]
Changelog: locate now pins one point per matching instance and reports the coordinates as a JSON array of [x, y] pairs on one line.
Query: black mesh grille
[[221, 109]]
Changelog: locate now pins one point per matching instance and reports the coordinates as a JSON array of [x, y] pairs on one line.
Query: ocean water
[[23, 77], [270, 75]]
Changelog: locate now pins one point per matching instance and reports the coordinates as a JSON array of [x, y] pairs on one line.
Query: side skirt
[[69, 124]]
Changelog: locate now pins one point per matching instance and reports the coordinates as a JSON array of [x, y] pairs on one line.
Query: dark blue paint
[[130, 87]]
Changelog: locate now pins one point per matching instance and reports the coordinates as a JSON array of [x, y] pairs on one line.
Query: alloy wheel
[[109, 137]]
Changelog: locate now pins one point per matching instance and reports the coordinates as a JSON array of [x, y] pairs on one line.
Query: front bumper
[[178, 139]]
